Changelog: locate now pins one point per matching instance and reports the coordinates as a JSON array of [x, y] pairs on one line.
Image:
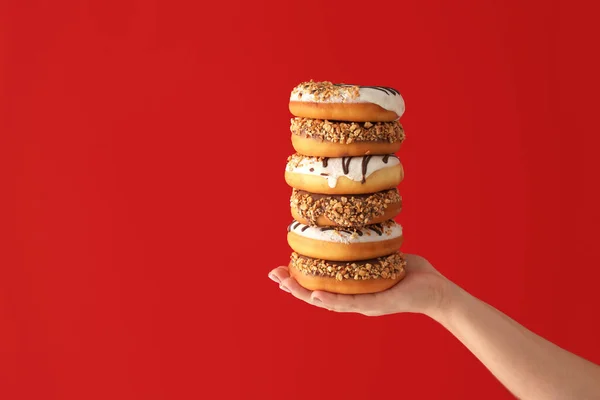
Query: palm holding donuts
[[344, 177], [421, 291]]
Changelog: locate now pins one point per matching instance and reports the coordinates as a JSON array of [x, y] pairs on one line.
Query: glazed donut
[[352, 211], [342, 102], [359, 277], [323, 138], [345, 244], [344, 175]]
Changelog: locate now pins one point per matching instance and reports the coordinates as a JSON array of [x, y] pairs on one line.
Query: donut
[[344, 102], [345, 244], [323, 138], [352, 211], [348, 277], [344, 175]]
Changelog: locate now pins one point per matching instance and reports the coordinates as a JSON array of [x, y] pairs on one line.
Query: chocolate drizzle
[[346, 164], [365, 162], [349, 232], [386, 158], [296, 161], [385, 89], [377, 228], [293, 225]]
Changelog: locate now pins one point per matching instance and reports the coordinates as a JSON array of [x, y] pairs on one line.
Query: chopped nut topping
[[347, 132], [324, 90], [295, 160], [387, 267], [352, 211]]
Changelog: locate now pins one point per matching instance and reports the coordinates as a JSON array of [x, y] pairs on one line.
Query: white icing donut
[[332, 168], [385, 97], [371, 233]]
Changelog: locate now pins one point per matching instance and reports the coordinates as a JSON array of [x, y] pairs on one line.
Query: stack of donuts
[[344, 177]]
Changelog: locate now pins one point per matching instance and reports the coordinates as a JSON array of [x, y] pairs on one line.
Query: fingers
[[366, 304], [288, 284], [279, 274]]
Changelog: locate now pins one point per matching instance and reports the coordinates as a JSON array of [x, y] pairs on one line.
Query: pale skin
[[529, 366]]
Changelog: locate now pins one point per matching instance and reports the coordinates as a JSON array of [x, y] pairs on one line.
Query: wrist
[[449, 298]]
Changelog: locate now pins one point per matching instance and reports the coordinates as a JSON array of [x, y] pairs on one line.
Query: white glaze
[[389, 101], [335, 170], [391, 230]]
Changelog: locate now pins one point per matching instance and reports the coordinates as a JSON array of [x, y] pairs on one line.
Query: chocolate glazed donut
[[354, 211], [350, 277], [322, 138]]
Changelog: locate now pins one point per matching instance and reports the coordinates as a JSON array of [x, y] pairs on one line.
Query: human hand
[[423, 290]]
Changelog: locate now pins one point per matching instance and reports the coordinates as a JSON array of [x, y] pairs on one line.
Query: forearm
[[528, 365]]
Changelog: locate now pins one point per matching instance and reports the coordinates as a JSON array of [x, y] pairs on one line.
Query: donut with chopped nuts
[[345, 244], [323, 138], [348, 277], [346, 102], [343, 175], [350, 211]]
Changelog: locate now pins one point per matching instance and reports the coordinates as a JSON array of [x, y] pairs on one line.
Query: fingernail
[[274, 278], [316, 300], [285, 289]]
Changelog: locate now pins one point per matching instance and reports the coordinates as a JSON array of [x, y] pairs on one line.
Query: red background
[[144, 145]]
